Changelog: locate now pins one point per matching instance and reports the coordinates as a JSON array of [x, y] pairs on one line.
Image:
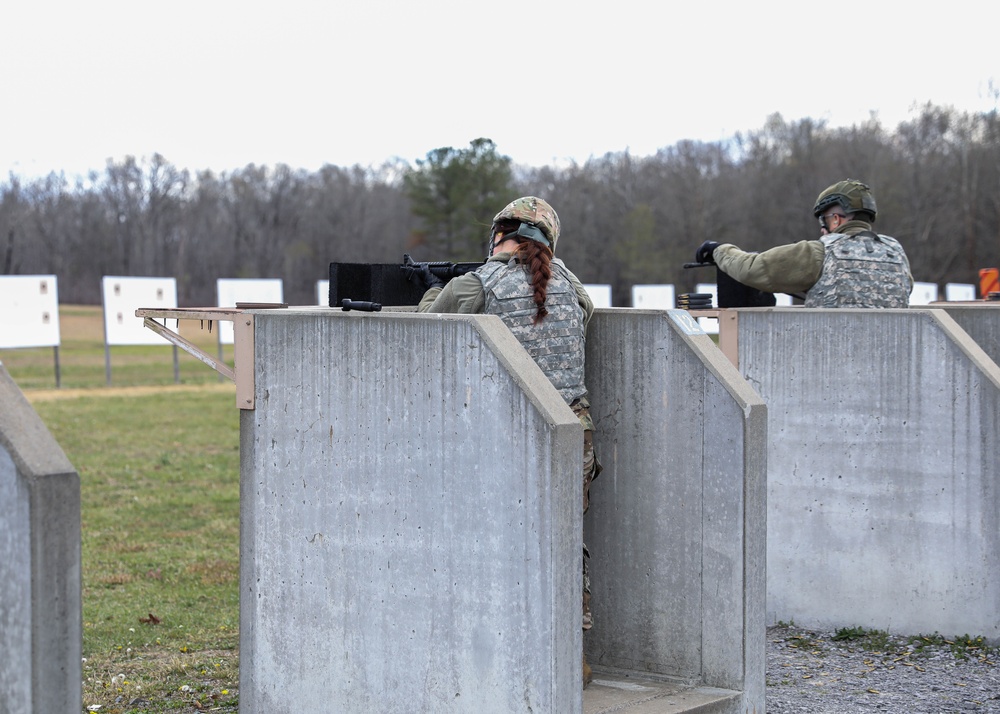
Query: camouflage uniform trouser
[[591, 470]]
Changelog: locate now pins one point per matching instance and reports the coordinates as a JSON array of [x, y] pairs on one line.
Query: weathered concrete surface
[[411, 527], [410, 505], [676, 528], [610, 694], [981, 321], [883, 497], [40, 612]]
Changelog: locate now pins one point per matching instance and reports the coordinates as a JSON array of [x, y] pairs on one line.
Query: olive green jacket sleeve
[[790, 268], [465, 295]]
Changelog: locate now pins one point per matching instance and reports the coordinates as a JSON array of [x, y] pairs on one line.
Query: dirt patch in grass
[[48, 395]]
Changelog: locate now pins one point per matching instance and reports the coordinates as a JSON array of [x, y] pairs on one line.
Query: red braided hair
[[538, 258], [534, 255]]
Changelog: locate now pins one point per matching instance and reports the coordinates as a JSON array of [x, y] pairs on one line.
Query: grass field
[[83, 363], [159, 476]]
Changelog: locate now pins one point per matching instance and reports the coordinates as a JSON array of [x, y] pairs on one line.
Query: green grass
[[962, 646], [879, 641], [159, 477], [83, 363], [160, 544], [873, 640]]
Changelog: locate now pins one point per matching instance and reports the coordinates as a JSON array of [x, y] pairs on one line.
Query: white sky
[[220, 84]]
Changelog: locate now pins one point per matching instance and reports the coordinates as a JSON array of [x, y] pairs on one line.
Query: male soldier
[[849, 266]]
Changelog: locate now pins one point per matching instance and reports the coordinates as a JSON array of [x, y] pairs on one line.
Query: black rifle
[[443, 270]]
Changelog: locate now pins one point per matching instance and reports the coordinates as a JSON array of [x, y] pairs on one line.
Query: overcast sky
[[219, 84]]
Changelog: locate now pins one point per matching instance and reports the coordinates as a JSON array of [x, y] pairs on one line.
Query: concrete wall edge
[[964, 342]]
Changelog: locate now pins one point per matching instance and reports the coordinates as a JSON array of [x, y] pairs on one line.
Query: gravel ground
[[857, 671]]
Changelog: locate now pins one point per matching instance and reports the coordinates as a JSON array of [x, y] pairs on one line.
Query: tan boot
[[588, 675]]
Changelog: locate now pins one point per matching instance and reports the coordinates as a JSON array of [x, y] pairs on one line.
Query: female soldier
[[546, 308]]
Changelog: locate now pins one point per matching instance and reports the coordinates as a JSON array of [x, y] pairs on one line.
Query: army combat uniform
[[502, 287], [854, 267]]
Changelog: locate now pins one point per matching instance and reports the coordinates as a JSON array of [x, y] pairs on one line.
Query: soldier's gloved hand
[[428, 279], [705, 251]]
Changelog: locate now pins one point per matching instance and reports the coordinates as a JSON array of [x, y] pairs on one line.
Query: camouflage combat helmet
[[851, 195], [534, 213]]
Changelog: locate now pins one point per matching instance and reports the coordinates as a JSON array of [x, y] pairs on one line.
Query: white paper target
[[600, 295], [234, 290], [709, 324], [924, 293], [959, 292], [654, 297], [29, 311], [123, 296]]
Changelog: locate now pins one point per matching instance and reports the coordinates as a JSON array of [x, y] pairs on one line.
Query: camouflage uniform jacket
[[467, 294], [862, 270], [793, 268]]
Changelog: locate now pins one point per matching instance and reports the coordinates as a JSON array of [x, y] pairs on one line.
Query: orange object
[[989, 282]]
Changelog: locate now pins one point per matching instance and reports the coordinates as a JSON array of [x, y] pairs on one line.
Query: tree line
[[626, 220]]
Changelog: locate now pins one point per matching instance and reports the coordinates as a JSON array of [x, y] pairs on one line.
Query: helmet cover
[[535, 212], [851, 195]]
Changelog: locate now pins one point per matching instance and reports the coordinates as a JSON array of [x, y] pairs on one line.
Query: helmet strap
[[524, 230]]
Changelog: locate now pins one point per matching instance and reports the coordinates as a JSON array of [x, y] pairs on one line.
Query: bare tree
[[624, 219], [11, 212]]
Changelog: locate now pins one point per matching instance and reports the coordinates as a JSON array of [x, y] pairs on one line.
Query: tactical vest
[[861, 270], [557, 342]]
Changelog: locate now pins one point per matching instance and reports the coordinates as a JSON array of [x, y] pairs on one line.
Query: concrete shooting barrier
[[676, 525], [40, 611], [411, 526], [982, 322], [883, 498]]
